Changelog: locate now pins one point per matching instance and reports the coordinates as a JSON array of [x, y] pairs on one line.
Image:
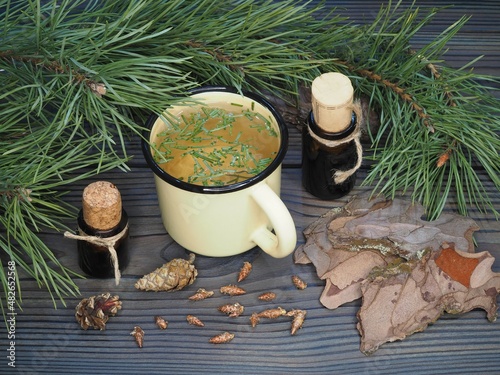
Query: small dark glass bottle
[[96, 260], [331, 152], [320, 162], [103, 231]]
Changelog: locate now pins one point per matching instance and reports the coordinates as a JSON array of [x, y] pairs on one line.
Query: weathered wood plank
[[49, 340]]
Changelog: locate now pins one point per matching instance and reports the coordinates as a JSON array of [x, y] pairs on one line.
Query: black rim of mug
[[158, 171]]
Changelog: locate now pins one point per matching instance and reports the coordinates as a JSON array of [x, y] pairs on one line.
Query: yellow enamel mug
[[226, 220]]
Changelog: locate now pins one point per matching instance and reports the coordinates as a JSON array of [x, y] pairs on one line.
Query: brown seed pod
[[244, 271], [160, 322], [298, 319], [272, 313], [222, 338], [232, 290], [138, 334], [232, 309], [193, 320], [298, 282], [268, 296], [254, 319], [201, 294]]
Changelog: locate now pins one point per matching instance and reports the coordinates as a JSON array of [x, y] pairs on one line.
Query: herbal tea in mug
[[220, 144], [217, 162]]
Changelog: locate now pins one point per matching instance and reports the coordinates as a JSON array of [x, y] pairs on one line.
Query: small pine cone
[[173, 275], [96, 310]]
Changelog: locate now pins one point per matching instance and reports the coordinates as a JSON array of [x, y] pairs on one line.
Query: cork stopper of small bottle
[[102, 205], [332, 98]]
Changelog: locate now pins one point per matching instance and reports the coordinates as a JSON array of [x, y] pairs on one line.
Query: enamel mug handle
[[282, 243]]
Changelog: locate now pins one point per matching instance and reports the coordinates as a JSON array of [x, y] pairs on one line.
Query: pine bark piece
[[346, 243], [172, 276], [401, 300]]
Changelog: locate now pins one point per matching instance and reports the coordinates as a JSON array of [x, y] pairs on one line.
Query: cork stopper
[[332, 97], [102, 205]]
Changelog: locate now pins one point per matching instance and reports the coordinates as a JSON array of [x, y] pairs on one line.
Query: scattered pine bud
[[245, 271], [193, 320], [268, 296], [298, 319], [272, 313], [138, 334], [254, 319], [222, 338], [232, 290], [201, 294], [232, 309], [160, 322], [298, 282]]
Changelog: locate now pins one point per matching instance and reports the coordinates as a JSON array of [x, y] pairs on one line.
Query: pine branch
[[425, 116], [79, 77]]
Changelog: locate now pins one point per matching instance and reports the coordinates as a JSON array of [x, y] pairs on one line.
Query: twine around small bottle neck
[[108, 242], [340, 176]]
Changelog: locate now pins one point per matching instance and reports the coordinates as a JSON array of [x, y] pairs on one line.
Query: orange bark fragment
[[458, 267]]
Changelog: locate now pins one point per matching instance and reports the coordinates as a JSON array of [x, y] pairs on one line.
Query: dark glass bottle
[[320, 161], [95, 260]]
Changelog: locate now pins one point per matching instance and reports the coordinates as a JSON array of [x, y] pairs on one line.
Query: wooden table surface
[[49, 340]]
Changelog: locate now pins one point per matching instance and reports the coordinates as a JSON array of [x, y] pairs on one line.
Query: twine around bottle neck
[[108, 242], [340, 176]]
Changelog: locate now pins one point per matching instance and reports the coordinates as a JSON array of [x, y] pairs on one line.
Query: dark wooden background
[[49, 340]]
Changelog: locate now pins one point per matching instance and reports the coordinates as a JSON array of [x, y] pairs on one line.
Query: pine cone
[[173, 275], [96, 310]]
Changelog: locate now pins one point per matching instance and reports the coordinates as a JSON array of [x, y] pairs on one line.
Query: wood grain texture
[[49, 340]]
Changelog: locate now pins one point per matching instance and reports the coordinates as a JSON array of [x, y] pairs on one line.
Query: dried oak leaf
[[405, 298], [346, 243]]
